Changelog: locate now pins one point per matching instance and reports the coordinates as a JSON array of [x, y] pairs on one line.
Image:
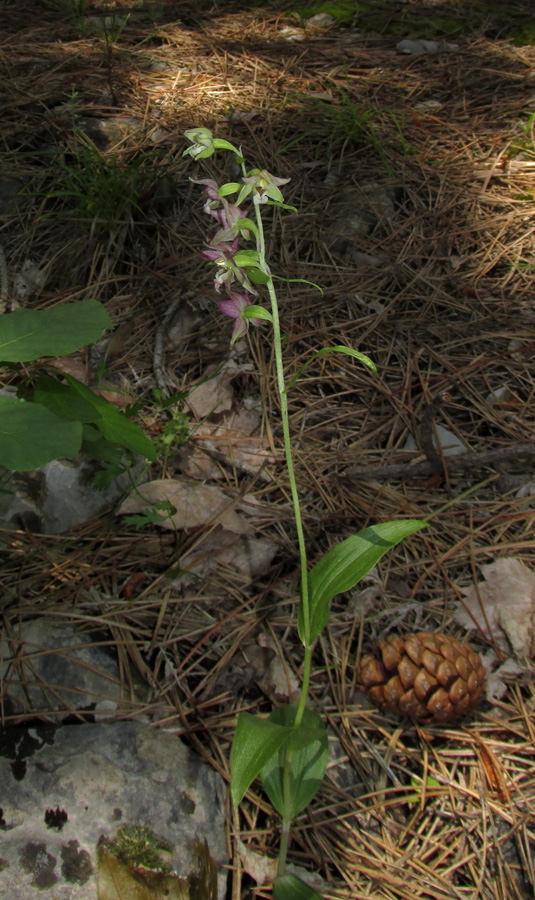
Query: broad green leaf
[[344, 566], [63, 400], [309, 755], [348, 351], [31, 436], [290, 887], [255, 741], [27, 334], [113, 424], [257, 312]]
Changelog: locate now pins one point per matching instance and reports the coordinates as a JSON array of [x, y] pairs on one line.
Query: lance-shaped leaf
[[290, 887], [308, 755], [27, 334], [340, 348], [255, 741], [257, 312], [344, 566]]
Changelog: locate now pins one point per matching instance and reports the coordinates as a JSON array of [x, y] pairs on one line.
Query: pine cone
[[427, 677]]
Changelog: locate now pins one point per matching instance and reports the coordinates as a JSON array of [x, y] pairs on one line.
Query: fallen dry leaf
[[261, 868], [71, 365], [247, 555], [507, 596], [196, 505], [497, 681], [233, 442], [279, 679]]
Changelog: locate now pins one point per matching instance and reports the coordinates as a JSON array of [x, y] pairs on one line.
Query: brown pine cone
[[427, 677]]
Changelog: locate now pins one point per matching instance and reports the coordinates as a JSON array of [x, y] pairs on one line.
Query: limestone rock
[[48, 667], [66, 788], [58, 496]]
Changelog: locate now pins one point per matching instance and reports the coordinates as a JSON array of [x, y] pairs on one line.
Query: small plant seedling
[[288, 750]]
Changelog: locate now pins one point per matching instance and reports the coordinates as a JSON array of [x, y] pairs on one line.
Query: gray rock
[[59, 496], [419, 47], [321, 20], [48, 666], [65, 789]]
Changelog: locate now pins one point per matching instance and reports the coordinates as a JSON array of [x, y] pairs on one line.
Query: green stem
[[277, 344], [283, 847], [281, 386]]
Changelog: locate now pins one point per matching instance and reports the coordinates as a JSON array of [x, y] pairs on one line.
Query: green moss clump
[[139, 846]]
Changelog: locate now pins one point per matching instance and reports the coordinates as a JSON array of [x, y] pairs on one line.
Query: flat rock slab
[[50, 670], [65, 788]]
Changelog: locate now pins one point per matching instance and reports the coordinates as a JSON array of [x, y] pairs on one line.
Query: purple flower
[[211, 188], [222, 249], [234, 306]]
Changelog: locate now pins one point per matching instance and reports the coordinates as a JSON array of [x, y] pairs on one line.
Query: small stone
[[321, 20]]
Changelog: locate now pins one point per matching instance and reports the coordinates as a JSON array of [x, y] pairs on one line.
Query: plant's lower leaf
[[31, 436], [113, 424], [308, 751], [255, 742], [344, 566], [290, 887], [28, 334], [63, 400]]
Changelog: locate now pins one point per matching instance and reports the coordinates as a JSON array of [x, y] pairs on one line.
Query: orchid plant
[[288, 750]]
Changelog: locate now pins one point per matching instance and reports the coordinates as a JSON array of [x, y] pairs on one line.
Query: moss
[[139, 846]]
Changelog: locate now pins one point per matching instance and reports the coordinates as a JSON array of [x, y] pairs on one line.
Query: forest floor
[[413, 174]]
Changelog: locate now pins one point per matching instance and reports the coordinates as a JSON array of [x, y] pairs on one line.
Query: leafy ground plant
[[289, 749], [48, 418]]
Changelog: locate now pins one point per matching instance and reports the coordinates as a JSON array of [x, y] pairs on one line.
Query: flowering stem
[[277, 344]]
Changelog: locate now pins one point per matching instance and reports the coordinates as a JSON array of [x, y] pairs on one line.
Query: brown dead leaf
[[247, 555], [507, 596], [196, 505], [215, 395], [233, 442], [71, 365], [261, 868], [279, 679], [120, 399]]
